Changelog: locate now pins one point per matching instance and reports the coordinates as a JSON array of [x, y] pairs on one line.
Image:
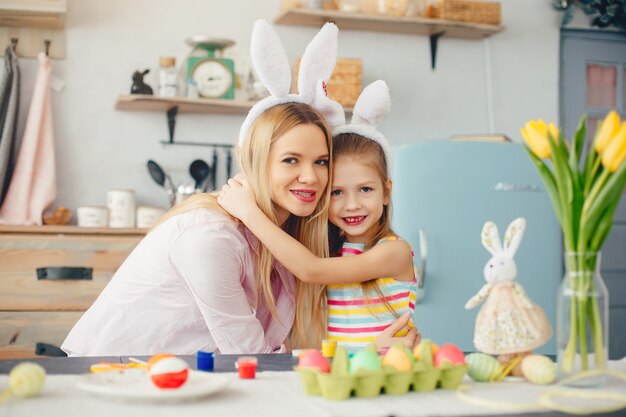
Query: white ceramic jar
[[121, 204], [92, 216], [147, 217]]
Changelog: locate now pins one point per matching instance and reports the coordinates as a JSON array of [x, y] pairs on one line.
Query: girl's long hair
[[309, 324], [352, 145]]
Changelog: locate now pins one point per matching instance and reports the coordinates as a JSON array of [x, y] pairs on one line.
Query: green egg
[[480, 366], [365, 360]]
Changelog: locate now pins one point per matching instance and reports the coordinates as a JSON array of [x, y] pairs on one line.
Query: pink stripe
[[411, 306], [358, 329], [370, 301], [350, 250]]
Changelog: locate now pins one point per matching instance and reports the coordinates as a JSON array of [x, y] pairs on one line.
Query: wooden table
[[273, 393]]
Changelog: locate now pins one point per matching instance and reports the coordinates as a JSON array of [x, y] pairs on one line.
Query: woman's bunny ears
[[271, 63], [370, 109], [512, 237]]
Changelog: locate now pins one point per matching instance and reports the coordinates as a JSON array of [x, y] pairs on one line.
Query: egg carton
[[338, 384]]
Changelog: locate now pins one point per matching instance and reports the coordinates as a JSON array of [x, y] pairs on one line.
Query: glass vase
[[582, 320]]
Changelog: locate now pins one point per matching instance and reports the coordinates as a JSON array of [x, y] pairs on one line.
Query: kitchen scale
[[213, 75]]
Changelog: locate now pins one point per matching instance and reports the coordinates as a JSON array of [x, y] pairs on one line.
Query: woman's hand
[[387, 339], [237, 198]]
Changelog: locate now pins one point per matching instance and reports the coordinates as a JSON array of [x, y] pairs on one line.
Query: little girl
[[368, 292]]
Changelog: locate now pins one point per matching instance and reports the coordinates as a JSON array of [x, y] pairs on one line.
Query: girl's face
[[357, 197], [298, 171]]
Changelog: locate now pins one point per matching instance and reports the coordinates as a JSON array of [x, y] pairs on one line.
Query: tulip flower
[[584, 195], [615, 153], [535, 133], [609, 128]]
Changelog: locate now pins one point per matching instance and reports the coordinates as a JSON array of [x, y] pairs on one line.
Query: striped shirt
[[355, 320]]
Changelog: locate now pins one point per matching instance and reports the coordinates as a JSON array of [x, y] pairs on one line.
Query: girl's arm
[[392, 259]]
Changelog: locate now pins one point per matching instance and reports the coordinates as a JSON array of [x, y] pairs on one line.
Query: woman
[[201, 281]]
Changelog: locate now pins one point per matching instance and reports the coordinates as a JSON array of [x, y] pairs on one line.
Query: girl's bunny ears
[[512, 237], [370, 109], [317, 64]]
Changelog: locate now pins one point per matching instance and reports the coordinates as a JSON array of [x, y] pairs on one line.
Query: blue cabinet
[[450, 189]]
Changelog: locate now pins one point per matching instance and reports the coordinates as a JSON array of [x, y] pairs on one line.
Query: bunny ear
[[269, 59], [490, 238], [513, 235], [372, 105], [318, 61], [330, 109]]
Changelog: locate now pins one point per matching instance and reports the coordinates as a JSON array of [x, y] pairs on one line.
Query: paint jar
[[246, 365], [328, 348], [205, 361]]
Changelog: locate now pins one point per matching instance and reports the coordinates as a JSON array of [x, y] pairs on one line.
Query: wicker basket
[[469, 11], [344, 85]]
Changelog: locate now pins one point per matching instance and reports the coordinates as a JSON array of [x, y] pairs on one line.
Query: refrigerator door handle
[[421, 274]]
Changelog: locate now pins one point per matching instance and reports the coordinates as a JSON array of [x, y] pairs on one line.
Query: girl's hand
[[237, 198], [387, 339]]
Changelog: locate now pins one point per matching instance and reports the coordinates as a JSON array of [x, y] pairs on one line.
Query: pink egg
[[450, 353], [314, 359]]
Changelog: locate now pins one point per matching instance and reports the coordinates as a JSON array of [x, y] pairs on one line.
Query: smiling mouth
[[354, 220], [306, 196]]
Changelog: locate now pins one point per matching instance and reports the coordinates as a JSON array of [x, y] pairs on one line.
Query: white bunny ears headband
[[316, 66], [370, 109], [512, 237]]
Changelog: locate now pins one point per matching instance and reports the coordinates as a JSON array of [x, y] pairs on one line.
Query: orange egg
[[418, 350], [397, 358]]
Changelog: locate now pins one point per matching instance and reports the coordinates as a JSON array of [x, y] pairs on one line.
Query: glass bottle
[[168, 77]]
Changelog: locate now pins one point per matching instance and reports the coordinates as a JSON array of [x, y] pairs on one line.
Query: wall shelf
[[139, 102], [381, 23], [434, 28]]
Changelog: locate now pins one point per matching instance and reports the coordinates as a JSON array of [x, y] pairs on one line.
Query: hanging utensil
[[161, 178], [229, 163], [199, 171], [214, 170]]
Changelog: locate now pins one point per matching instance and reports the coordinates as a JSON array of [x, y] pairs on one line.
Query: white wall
[[99, 148]]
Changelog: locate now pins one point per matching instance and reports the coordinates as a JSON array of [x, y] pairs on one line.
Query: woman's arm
[[211, 266], [391, 259]]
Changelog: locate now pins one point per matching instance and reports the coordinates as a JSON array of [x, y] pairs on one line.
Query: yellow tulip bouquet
[[584, 191]]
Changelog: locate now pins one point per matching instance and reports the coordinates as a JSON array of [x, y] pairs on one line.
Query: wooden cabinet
[[49, 275]]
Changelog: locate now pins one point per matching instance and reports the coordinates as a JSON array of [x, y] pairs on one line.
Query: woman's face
[[298, 171]]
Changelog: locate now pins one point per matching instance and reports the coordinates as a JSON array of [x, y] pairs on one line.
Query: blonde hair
[[309, 325], [352, 145]]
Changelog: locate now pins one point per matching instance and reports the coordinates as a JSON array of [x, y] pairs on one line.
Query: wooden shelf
[[137, 102], [71, 230], [43, 14], [380, 23]]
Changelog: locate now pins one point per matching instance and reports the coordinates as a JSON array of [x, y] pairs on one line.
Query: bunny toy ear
[[371, 107], [330, 109], [490, 238], [513, 235], [269, 59], [318, 61]]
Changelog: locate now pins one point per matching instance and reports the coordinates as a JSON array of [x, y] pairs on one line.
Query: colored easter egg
[[480, 367], [366, 360], [27, 379], [449, 353], [417, 352], [169, 372], [314, 359], [397, 358], [539, 369]]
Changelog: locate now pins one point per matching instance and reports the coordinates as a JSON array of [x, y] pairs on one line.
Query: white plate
[[135, 385]]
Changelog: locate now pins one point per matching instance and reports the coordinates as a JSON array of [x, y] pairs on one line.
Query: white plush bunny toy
[[509, 322]]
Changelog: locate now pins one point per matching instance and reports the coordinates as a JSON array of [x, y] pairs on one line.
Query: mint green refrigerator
[[449, 189]]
